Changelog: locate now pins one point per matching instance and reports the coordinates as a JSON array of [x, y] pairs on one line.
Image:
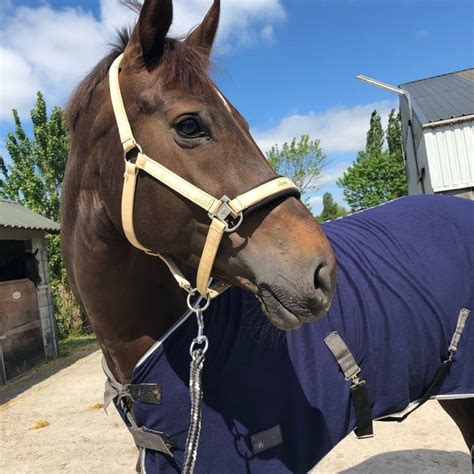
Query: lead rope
[[198, 356], [195, 391]]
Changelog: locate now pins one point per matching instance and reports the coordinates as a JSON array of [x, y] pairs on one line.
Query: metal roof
[[443, 97], [15, 215]]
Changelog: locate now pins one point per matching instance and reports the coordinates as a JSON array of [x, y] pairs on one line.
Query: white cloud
[[51, 49], [17, 81], [267, 33], [340, 129], [113, 15], [329, 176], [315, 201]]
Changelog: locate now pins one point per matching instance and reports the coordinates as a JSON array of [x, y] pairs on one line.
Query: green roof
[[16, 216]]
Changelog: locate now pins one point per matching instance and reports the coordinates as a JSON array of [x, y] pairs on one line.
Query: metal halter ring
[[196, 341], [137, 146], [236, 226], [196, 308]]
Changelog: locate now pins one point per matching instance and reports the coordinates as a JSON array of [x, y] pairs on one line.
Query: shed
[[438, 134], [28, 335]]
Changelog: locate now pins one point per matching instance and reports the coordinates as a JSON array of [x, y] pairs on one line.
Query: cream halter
[[218, 210]]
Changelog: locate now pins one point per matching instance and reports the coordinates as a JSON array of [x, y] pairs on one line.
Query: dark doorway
[[21, 337]]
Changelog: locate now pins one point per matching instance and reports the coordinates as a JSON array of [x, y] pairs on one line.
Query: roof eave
[[46, 230], [449, 121]]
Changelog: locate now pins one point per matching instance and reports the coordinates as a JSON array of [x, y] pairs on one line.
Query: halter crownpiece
[[226, 214]]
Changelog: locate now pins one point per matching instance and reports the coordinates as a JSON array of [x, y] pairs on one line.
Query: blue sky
[[289, 66]]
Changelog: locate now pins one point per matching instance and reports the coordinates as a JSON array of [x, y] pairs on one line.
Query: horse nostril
[[322, 278]]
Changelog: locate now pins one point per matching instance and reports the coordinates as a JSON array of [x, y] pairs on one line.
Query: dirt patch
[[80, 437], [77, 438]]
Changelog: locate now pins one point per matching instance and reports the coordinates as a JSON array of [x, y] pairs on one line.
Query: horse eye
[[189, 128]]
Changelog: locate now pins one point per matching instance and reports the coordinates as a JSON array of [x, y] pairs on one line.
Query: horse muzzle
[[288, 305]]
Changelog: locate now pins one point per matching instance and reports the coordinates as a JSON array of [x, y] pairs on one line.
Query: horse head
[[182, 121], [31, 265]]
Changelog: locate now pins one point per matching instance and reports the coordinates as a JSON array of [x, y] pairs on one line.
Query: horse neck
[[130, 298], [31, 268]]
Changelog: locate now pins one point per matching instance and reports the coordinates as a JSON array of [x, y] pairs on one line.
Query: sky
[[289, 66]]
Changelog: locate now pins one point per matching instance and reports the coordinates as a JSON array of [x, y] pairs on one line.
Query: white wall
[[450, 151]]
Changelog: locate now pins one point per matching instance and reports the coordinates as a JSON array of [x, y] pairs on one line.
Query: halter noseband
[[218, 210]]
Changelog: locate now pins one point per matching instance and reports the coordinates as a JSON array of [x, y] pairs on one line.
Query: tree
[[377, 175], [394, 135], [36, 175], [331, 209], [375, 135], [34, 178], [302, 161]]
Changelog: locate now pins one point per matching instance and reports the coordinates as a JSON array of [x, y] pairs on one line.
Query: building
[[27, 324], [438, 133]]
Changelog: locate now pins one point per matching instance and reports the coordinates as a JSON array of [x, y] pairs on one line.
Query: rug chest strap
[[442, 372], [433, 389], [149, 393], [144, 392], [359, 394]]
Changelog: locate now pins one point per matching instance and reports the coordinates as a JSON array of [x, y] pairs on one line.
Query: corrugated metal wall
[[450, 151]]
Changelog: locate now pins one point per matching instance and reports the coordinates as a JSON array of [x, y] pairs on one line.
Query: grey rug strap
[[461, 324], [149, 439], [151, 393], [359, 394], [112, 388], [144, 392], [343, 355]]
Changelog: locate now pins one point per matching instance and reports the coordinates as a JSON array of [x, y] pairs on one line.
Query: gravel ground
[[66, 394]]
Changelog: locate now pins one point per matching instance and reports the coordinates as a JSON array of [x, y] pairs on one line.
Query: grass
[[75, 342]]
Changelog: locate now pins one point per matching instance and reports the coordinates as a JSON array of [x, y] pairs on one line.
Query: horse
[[152, 141], [20, 266]]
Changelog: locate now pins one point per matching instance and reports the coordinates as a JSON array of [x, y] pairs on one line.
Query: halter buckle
[[224, 212]]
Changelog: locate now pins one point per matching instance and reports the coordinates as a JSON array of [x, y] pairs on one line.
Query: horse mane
[[183, 66], [82, 95]]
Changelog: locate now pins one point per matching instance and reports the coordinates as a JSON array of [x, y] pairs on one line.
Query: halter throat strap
[[226, 214]]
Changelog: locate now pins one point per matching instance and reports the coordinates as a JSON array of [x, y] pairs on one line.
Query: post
[[3, 373]]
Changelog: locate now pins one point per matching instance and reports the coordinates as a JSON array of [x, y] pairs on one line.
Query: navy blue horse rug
[[278, 402]]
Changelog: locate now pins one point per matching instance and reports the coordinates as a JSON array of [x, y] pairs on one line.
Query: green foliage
[[302, 161], [74, 342], [331, 209], [375, 135], [394, 135], [373, 179], [36, 175], [34, 179], [377, 175]]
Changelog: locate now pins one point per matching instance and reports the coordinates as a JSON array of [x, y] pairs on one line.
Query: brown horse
[[279, 252], [178, 116]]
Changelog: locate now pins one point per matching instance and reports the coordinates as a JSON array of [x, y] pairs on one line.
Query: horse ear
[[152, 27], [35, 253], [202, 36]]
